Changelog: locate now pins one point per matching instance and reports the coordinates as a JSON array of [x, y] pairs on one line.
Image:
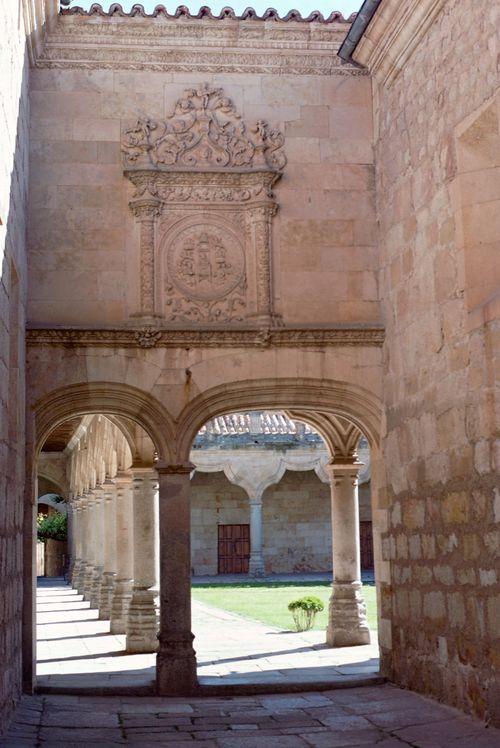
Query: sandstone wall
[[296, 521], [438, 187], [13, 195], [83, 240]]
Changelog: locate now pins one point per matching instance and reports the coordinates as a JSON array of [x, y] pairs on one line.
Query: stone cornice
[[393, 34], [96, 40], [149, 337]]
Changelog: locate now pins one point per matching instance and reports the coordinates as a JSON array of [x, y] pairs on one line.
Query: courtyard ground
[[76, 651], [382, 716], [268, 602]]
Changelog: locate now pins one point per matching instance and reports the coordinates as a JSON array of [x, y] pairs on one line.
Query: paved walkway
[[381, 716], [76, 651]]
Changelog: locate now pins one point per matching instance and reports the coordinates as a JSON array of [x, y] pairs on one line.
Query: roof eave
[[357, 30]]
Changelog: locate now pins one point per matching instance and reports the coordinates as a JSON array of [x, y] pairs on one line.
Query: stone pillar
[[71, 509], [347, 625], [89, 540], [145, 211], [176, 660], [95, 593], [77, 542], [109, 561], [142, 628], [256, 563], [122, 592]]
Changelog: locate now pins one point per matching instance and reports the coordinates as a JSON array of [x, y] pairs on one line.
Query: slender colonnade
[[120, 505]]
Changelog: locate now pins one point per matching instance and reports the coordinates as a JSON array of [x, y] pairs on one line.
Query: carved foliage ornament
[[204, 132]]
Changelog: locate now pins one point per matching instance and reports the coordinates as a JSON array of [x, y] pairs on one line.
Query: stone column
[[176, 660], [95, 593], [256, 563], [109, 561], [142, 628], [89, 548], [77, 542], [145, 211], [71, 507], [122, 592], [347, 625]]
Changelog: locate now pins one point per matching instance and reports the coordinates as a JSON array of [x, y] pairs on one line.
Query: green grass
[[269, 602]]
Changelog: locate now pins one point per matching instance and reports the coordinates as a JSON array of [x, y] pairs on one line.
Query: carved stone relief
[[203, 195]]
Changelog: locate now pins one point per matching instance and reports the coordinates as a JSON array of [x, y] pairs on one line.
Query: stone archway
[[120, 402], [357, 408]]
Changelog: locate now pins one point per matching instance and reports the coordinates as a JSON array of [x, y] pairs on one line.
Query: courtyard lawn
[[268, 602]]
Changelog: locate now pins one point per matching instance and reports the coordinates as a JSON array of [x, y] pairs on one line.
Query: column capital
[[182, 468], [341, 466], [255, 500], [146, 208], [123, 477]]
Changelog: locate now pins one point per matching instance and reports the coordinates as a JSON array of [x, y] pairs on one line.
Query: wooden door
[[233, 549], [366, 544]]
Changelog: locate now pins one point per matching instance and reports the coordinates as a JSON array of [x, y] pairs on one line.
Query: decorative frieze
[[149, 337], [167, 42]]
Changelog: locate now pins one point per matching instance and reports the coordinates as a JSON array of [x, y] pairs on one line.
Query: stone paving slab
[[331, 719], [77, 653]]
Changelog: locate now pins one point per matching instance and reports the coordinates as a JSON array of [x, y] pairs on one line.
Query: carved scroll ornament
[[204, 131]]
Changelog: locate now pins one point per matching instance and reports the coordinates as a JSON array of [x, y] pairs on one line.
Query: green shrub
[[53, 527], [304, 611]]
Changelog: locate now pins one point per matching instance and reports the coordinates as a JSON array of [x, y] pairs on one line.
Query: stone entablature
[[149, 337], [184, 43]]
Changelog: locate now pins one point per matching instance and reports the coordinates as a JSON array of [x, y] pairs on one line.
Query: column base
[[142, 627], [176, 666], [95, 592], [107, 589], [256, 567], [75, 573], [122, 594], [79, 577], [87, 582], [347, 624]]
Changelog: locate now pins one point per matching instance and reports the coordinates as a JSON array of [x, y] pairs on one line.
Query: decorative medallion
[[205, 264]]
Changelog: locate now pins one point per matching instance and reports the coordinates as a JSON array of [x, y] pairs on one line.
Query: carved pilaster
[[260, 221], [145, 211]]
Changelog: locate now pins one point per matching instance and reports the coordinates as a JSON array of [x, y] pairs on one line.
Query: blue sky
[[282, 6]]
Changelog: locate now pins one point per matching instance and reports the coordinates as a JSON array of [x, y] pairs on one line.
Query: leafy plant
[[304, 611], [53, 527]]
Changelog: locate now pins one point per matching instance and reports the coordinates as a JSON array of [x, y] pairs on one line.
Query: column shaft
[[95, 594], [347, 625], [109, 564], [176, 660], [122, 592], [88, 576], [142, 628], [256, 563]]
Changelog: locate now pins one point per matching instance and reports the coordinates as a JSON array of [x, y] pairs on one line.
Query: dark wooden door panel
[[233, 549], [366, 544]]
